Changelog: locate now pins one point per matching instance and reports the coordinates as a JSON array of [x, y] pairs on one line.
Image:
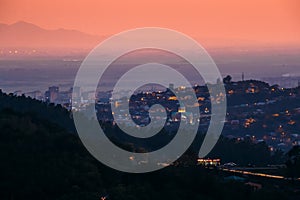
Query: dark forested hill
[[41, 110], [40, 159]]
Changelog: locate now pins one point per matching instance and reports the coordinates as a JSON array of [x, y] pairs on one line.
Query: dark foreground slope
[[42, 160]]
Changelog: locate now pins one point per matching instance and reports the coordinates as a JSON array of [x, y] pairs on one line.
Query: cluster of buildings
[[140, 104], [263, 113], [256, 110], [63, 97]]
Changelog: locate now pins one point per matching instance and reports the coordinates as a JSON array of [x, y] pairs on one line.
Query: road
[[242, 171]]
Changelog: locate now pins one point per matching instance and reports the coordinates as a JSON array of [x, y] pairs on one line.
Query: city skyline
[[161, 99]]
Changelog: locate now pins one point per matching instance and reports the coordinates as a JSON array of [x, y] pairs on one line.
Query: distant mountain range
[[26, 35], [23, 39]]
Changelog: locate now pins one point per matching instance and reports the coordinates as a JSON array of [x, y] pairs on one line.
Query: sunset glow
[[212, 22]]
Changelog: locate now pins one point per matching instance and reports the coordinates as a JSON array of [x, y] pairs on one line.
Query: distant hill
[[26, 35]]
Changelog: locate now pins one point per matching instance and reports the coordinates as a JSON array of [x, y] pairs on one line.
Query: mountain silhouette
[[27, 35]]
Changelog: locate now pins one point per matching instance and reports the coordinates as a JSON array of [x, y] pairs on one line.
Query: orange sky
[[266, 21]]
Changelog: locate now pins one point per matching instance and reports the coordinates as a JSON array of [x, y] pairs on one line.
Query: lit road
[[257, 174]]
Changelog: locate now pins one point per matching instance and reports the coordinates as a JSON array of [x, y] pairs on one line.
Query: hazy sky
[[266, 21], [229, 23]]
